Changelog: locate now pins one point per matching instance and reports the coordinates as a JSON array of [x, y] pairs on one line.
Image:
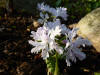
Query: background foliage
[[78, 8]]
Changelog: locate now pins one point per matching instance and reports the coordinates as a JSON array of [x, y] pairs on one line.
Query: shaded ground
[[15, 56]]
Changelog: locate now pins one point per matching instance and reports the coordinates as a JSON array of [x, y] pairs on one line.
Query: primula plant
[[54, 40]]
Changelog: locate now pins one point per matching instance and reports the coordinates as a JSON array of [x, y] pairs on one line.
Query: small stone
[[35, 24], [6, 51]]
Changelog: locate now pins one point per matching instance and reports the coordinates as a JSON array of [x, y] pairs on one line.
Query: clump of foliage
[[78, 8], [54, 40]]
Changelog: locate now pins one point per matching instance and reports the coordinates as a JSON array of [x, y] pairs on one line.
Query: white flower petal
[[59, 49], [67, 45], [46, 16], [41, 15], [68, 62], [33, 43], [35, 50], [80, 55], [45, 54], [40, 21]]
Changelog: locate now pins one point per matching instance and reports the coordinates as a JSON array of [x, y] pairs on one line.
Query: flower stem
[[56, 72]]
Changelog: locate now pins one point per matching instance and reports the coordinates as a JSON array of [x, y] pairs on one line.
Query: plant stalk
[[56, 72]]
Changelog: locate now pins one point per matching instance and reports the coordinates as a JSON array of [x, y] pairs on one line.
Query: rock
[[36, 24], [89, 27]]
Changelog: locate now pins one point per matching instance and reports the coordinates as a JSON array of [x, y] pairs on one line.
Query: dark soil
[[15, 56]]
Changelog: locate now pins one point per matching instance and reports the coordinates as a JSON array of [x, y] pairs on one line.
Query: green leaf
[[96, 73], [51, 64], [13, 26], [58, 2]]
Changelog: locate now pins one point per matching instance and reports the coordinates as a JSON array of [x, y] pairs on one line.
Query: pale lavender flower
[[52, 25], [65, 30], [44, 18], [54, 32], [82, 42], [72, 50], [73, 53], [57, 23], [60, 12], [52, 11], [43, 7], [41, 40], [44, 41], [56, 12]]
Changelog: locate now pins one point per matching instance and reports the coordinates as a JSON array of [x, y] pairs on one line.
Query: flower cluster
[[45, 41], [57, 12], [45, 38], [72, 47]]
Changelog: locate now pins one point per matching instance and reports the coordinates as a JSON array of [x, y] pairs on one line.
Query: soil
[[15, 55]]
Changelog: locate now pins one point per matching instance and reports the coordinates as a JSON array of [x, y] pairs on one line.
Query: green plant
[[96, 73], [48, 39], [78, 8]]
